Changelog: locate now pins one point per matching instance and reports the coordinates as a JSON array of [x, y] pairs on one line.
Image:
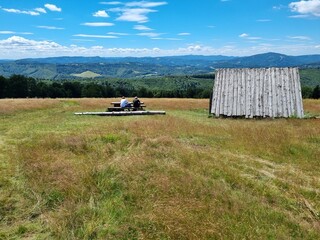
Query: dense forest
[[18, 86]]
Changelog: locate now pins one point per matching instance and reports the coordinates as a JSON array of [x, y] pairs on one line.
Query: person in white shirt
[[124, 102]]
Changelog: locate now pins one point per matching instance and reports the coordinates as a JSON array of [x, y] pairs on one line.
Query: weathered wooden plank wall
[[257, 92]]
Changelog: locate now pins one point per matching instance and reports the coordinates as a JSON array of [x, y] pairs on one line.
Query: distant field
[[87, 74], [178, 176]]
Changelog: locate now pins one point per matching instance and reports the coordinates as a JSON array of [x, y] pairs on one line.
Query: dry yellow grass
[[13, 105], [178, 176], [312, 106]]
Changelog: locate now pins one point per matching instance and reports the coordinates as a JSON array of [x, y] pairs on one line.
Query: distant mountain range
[[131, 67]]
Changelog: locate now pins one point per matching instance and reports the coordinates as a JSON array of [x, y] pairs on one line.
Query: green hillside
[[310, 77]]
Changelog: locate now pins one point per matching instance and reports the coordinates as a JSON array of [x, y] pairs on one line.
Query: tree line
[[309, 92], [19, 86]]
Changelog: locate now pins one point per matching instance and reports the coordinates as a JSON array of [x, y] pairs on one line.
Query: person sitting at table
[[124, 102], [136, 103]]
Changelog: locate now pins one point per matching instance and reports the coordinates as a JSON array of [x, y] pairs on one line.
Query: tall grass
[[178, 176]]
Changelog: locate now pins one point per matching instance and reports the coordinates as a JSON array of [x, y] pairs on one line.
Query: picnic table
[[116, 107]]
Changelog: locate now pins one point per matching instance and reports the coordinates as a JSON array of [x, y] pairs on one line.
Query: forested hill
[[145, 67]]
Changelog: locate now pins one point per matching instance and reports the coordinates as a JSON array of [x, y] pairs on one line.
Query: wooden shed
[[257, 92]]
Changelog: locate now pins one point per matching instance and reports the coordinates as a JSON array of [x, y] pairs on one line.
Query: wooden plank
[[227, 92], [278, 86], [260, 92], [248, 92], [273, 94], [215, 95], [238, 98], [294, 96], [235, 93], [263, 93], [111, 109], [231, 93], [267, 93], [243, 94], [119, 103], [216, 99], [124, 113], [253, 92], [291, 97], [299, 107], [301, 114], [289, 93], [223, 94], [284, 78]]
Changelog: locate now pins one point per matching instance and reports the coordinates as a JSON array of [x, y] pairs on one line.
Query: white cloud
[[304, 38], [306, 7], [25, 33], [111, 3], [101, 13], [50, 27], [134, 14], [94, 36], [136, 11], [247, 36], [7, 32], [142, 28], [12, 32], [97, 47], [150, 34], [18, 47], [169, 39], [41, 10], [35, 12], [195, 48], [17, 11], [98, 24], [299, 16], [254, 38], [244, 35], [184, 34], [117, 33], [279, 7], [53, 7], [83, 40], [145, 4]]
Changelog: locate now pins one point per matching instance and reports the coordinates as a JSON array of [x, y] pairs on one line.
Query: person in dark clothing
[[136, 103]]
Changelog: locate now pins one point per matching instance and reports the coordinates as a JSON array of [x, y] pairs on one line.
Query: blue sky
[[46, 28]]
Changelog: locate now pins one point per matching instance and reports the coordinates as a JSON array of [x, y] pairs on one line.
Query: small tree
[[316, 92], [17, 86], [3, 86], [306, 92]]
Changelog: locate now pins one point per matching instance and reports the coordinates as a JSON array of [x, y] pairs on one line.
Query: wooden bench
[[116, 107]]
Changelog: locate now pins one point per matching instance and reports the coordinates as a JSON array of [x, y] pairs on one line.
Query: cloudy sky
[[46, 28]]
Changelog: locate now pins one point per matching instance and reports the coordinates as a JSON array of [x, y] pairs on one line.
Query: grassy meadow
[[181, 175]]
